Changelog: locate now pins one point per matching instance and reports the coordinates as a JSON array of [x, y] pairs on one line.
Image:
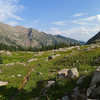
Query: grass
[[84, 61]]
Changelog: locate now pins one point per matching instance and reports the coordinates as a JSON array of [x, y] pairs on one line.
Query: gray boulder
[[63, 73], [96, 77], [73, 73], [65, 98]]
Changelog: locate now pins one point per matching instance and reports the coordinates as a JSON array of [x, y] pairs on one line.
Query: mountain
[[94, 39], [69, 39], [29, 37]]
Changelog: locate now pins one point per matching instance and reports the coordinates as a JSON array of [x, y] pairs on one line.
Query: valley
[[35, 75]]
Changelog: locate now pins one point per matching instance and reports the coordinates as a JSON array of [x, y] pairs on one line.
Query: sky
[[77, 19]]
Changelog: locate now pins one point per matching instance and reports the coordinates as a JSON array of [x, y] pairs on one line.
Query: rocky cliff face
[[28, 37], [95, 39]]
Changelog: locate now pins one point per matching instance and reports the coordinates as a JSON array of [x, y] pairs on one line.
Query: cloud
[[92, 20], [82, 33], [56, 31], [8, 9], [79, 14], [59, 22]]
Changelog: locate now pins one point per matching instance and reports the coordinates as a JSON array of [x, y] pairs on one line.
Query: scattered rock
[[39, 73], [3, 83], [53, 56], [9, 53], [73, 73], [30, 60], [19, 75], [63, 73], [20, 63], [50, 83], [50, 57], [10, 64]]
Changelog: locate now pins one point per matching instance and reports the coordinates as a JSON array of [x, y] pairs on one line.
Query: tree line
[[42, 48]]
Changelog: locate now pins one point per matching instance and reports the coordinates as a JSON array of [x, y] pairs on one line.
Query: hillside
[[64, 74], [94, 39], [29, 37]]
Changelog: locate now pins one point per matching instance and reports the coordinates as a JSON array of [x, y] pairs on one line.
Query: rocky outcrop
[[73, 73], [69, 73], [94, 89], [63, 73], [92, 92]]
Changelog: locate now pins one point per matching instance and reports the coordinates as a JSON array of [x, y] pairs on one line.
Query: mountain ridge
[[29, 37], [94, 39]]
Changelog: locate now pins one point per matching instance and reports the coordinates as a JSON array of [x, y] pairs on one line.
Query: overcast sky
[[77, 19]]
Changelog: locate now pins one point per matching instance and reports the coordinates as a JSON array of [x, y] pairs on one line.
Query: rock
[[97, 60], [50, 83], [94, 84], [89, 90], [3, 83], [80, 80], [21, 63], [78, 96], [19, 75], [65, 98], [10, 64], [73, 73], [50, 57], [76, 89], [53, 56], [95, 93], [39, 73], [9, 53], [96, 77], [98, 69], [30, 60], [63, 73]]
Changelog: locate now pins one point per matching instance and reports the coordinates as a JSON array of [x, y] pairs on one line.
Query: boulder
[[94, 88], [3, 83], [95, 92], [49, 84], [65, 98], [80, 80], [19, 75], [96, 77], [63, 73], [73, 73]]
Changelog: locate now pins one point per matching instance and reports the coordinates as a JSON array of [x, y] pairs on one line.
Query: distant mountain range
[[29, 37], [94, 39]]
